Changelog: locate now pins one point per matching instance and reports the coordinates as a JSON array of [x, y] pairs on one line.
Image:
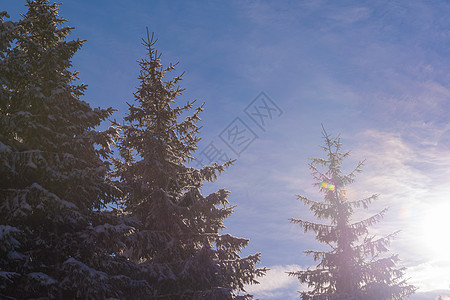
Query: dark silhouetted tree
[[358, 265], [53, 178], [176, 229]]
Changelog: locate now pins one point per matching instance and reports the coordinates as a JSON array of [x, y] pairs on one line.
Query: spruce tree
[[176, 229], [358, 265], [54, 183]]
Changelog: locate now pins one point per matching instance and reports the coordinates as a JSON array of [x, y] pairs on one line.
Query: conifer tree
[[176, 229], [358, 265], [53, 175]]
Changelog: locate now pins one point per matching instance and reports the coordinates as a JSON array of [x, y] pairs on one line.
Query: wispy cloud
[[431, 295], [277, 284], [376, 71], [413, 183]]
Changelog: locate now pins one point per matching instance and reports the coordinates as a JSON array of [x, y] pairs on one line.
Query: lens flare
[[327, 185]]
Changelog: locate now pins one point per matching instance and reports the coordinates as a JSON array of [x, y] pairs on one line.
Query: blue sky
[[375, 72]]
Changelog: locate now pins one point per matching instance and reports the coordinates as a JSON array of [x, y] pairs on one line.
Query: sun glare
[[435, 231]]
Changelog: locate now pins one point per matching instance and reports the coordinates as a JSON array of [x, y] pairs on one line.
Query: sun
[[436, 231]]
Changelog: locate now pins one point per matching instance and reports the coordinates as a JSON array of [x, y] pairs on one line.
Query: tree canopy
[[73, 228], [358, 265], [177, 229]]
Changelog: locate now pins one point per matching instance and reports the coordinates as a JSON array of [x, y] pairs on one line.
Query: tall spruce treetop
[[51, 166], [176, 234], [358, 265], [47, 129]]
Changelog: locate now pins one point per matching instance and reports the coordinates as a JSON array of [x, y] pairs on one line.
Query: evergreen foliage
[[59, 236], [358, 266], [175, 228], [52, 167]]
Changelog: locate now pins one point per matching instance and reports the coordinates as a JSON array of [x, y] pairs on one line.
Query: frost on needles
[[52, 162], [177, 229], [72, 227]]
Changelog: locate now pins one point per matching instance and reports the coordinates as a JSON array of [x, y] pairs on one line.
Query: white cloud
[[430, 276], [277, 284], [413, 182], [431, 295]]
